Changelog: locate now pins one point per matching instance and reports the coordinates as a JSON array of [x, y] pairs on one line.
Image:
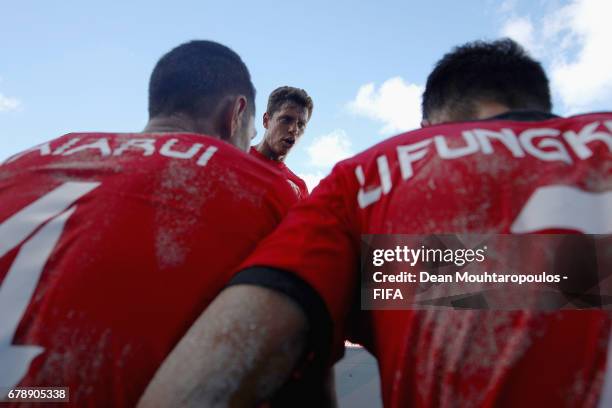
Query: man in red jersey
[[515, 168], [288, 112], [112, 244]]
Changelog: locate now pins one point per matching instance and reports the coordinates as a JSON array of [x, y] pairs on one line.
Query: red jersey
[[111, 245], [480, 177], [298, 185]]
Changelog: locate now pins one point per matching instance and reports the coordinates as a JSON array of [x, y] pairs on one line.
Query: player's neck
[[486, 110], [265, 149], [178, 124]]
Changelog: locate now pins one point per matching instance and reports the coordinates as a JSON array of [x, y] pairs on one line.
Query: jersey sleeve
[[316, 244], [303, 189], [301, 184]]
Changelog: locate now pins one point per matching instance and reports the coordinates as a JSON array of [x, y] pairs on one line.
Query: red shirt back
[[298, 185], [111, 245], [482, 177]]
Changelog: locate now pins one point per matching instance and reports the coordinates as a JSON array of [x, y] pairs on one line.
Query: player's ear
[[236, 116], [239, 113], [232, 114], [266, 120], [425, 123]]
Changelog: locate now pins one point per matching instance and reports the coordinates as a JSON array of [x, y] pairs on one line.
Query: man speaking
[[288, 112]]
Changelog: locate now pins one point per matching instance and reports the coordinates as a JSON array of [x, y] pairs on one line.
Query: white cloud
[[311, 179], [323, 153], [574, 41], [327, 150], [8, 104], [521, 30], [587, 77], [397, 104]]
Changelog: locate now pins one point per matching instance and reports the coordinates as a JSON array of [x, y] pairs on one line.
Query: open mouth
[[288, 142]]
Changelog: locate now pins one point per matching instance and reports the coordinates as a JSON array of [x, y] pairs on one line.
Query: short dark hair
[[498, 71], [193, 77], [289, 94]]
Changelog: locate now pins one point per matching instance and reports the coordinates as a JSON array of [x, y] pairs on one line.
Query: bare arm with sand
[[237, 353]]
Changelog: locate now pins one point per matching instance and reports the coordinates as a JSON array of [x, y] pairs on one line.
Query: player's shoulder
[[142, 154], [511, 124], [293, 176], [253, 152], [260, 175]]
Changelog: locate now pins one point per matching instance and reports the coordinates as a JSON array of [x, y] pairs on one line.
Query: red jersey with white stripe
[[298, 185], [496, 177], [111, 245]]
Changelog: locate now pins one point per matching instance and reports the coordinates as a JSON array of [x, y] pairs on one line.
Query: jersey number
[[566, 207], [50, 213]]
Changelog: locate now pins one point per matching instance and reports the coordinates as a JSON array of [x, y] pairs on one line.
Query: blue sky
[[79, 66]]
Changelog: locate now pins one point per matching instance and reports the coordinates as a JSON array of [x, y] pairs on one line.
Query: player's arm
[[249, 340], [238, 352]]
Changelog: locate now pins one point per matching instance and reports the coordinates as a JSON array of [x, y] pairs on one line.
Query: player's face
[[284, 128]]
